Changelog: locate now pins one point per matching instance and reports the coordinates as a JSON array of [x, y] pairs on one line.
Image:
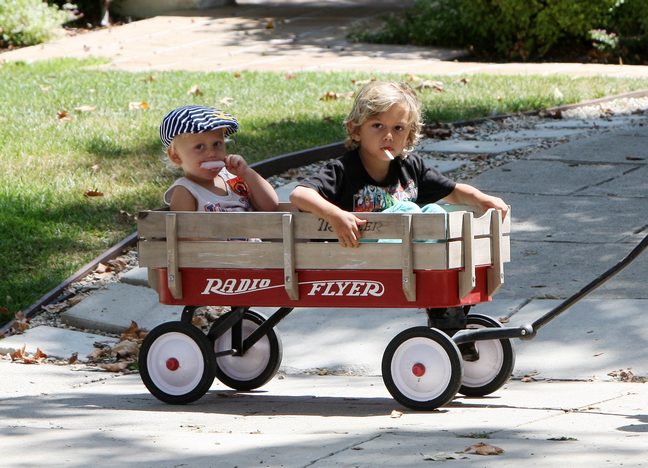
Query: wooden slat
[[409, 283], [467, 278], [174, 279], [269, 225], [310, 255], [316, 255], [291, 282], [495, 274], [481, 225], [212, 225]]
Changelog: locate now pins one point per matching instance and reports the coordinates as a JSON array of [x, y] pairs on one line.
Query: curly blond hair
[[379, 96]]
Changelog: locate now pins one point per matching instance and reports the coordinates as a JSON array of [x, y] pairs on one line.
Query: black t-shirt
[[346, 183]]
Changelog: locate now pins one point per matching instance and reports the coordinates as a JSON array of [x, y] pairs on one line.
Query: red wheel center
[[418, 369], [172, 364]]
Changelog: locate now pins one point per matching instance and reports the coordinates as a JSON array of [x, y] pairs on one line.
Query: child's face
[[190, 150], [387, 130]]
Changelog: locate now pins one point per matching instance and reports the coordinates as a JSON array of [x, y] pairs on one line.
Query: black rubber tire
[[495, 364], [442, 363], [259, 364], [192, 352]]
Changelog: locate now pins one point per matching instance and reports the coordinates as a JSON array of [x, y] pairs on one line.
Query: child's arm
[[345, 225], [262, 195], [464, 194], [182, 200]]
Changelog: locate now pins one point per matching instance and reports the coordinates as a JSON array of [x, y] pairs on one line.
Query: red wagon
[[290, 259]]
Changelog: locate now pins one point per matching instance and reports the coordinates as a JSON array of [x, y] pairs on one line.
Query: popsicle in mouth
[[212, 165], [388, 153]]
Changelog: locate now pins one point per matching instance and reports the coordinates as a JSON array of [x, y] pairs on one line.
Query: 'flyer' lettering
[[346, 288]]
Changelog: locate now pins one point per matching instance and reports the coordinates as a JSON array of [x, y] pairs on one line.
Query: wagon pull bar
[[529, 331]]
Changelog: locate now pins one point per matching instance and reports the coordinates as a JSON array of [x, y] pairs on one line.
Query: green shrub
[[516, 29], [629, 22], [28, 22]]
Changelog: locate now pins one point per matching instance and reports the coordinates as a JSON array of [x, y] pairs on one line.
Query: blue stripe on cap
[[195, 119]]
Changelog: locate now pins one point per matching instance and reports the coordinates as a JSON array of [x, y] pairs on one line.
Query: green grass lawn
[[67, 128]]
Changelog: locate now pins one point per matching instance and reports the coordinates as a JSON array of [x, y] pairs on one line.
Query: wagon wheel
[[258, 365], [495, 364], [422, 368], [176, 363]]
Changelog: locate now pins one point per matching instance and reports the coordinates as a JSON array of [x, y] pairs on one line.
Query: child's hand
[[236, 164], [497, 203], [347, 227]]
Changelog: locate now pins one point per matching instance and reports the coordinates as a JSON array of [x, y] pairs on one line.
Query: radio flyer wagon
[[290, 259]]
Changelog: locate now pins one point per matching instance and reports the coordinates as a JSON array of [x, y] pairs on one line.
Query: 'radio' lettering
[[234, 285]]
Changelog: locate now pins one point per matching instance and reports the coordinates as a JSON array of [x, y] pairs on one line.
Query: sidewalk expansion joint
[[344, 449]]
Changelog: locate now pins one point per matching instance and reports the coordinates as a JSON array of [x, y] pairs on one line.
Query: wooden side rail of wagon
[[192, 255]]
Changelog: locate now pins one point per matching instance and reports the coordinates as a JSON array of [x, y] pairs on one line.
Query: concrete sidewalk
[[74, 417]]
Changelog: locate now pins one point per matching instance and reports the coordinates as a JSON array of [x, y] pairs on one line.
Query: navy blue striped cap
[[195, 119]]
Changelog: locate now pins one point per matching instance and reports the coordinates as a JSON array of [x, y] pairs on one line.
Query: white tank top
[[237, 198]]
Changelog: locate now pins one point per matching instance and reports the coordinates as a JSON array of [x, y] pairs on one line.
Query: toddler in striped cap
[[194, 138]]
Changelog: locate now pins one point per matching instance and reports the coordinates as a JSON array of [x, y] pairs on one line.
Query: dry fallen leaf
[[627, 376], [63, 116], [115, 366], [18, 354], [74, 358], [55, 308], [85, 108], [430, 84], [130, 332], [40, 354], [332, 96], [20, 322], [98, 353], [93, 193], [483, 449], [138, 105], [363, 82], [440, 456], [125, 348], [133, 332], [270, 24], [199, 321], [195, 91]]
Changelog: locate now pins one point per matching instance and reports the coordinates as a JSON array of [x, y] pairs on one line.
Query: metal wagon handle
[[529, 331]]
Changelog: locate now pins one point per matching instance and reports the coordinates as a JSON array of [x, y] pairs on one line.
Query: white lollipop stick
[[388, 153], [213, 165]]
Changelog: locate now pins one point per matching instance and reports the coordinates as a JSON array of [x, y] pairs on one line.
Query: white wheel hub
[[247, 367], [175, 363], [421, 369], [491, 359]]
